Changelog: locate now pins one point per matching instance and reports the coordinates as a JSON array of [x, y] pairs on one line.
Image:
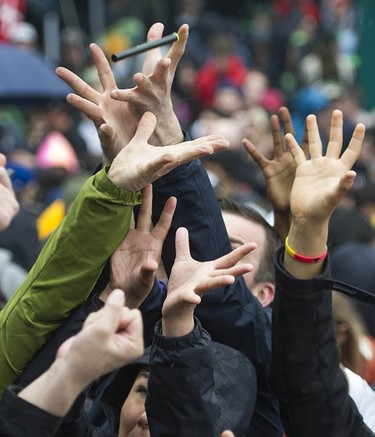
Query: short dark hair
[[266, 271]]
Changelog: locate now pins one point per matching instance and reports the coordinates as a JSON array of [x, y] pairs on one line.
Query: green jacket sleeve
[[64, 273]]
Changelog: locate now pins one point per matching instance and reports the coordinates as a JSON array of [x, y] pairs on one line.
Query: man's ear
[[265, 293]]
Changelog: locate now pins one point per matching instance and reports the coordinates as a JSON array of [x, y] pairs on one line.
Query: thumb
[[110, 315], [146, 127]]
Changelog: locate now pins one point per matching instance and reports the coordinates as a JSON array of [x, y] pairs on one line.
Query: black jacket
[[310, 386]]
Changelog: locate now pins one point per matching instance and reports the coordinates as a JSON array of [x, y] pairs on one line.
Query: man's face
[[240, 231], [133, 420]]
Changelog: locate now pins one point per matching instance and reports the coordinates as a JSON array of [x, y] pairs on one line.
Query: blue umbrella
[[25, 78]]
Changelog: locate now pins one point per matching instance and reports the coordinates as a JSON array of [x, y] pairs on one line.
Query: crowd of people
[[204, 266]]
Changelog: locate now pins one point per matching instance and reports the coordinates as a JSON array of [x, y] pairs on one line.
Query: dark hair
[[266, 272]]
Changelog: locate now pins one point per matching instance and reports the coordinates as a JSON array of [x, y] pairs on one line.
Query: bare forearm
[[54, 391]]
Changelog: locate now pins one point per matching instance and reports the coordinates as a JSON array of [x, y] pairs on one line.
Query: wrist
[[168, 131], [178, 326]]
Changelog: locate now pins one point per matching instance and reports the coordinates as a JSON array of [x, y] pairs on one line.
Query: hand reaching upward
[[190, 279], [134, 263], [322, 181], [9, 206], [140, 163], [278, 172], [122, 110]]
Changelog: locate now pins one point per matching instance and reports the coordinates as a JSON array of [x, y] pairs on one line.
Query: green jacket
[[64, 273]]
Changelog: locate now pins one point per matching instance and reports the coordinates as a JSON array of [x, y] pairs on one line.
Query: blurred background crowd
[[244, 59]]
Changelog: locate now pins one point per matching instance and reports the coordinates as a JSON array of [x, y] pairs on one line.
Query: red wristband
[[302, 258]]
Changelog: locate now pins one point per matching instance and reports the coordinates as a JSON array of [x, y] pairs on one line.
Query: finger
[[102, 65], [227, 433], [182, 244], [161, 71], [297, 153], [345, 184], [147, 273], [131, 325], [315, 143], [233, 257], [258, 157], [178, 47], [3, 160], [152, 56], [110, 315], [352, 152], [145, 211], [145, 128], [77, 84], [237, 270], [278, 142], [5, 179], [305, 142], [211, 283], [163, 225], [286, 120], [335, 136], [90, 109]]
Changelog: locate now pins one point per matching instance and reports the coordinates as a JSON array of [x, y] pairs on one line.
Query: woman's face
[[133, 419]]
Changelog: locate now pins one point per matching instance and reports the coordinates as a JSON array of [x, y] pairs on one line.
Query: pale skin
[[9, 205], [135, 261], [109, 339], [115, 112], [279, 172], [140, 163], [319, 185], [190, 279]]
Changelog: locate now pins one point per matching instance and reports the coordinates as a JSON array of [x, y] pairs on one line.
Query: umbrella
[[25, 78]]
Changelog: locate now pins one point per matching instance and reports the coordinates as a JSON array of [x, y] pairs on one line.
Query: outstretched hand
[[135, 261], [116, 113], [9, 205], [278, 172], [322, 181], [190, 279], [140, 163], [154, 84]]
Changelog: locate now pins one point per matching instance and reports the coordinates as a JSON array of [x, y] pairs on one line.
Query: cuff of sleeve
[[184, 171], [198, 337], [102, 183], [304, 287], [25, 415]]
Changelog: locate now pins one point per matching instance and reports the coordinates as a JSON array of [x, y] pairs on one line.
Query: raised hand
[[140, 163], [120, 123], [109, 339], [134, 263], [190, 279], [153, 86], [279, 172], [319, 185], [9, 206], [116, 113], [322, 181]]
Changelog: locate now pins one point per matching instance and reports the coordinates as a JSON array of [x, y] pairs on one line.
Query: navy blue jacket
[[231, 314]]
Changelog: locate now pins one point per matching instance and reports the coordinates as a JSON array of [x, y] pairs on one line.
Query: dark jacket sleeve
[[19, 418], [231, 314], [311, 388], [181, 400]]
